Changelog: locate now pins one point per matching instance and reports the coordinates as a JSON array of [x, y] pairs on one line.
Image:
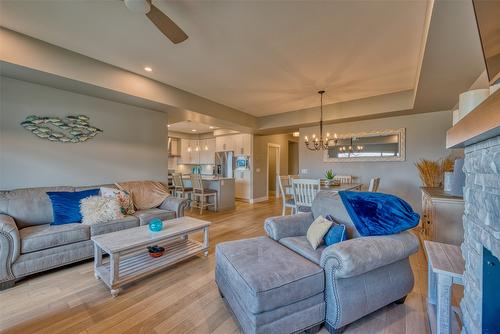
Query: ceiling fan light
[[138, 6]]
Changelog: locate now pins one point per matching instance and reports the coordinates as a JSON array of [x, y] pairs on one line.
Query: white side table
[[446, 267]]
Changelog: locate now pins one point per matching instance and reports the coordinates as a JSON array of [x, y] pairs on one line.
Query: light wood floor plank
[[181, 299]]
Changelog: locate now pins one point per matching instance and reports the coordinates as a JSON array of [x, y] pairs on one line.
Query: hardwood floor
[[182, 299]]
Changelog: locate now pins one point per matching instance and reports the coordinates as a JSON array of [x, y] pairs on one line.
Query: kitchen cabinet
[[224, 143], [190, 151], [242, 185], [207, 151], [442, 216], [240, 144]]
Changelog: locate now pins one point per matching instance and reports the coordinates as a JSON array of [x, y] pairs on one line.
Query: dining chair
[[288, 202], [201, 195], [344, 179], [304, 192], [374, 182], [292, 177], [179, 189]]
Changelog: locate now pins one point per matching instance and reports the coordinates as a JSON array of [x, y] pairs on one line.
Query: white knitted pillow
[[98, 209]]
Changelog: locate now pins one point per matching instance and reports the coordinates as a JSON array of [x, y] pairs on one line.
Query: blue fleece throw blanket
[[378, 214]]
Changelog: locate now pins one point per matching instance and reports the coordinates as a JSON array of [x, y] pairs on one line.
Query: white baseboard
[[257, 200]]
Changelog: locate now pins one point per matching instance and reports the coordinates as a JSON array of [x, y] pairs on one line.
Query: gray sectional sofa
[[29, 244], [280, 284]]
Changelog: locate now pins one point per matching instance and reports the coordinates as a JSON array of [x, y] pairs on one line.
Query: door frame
[[278, 167]]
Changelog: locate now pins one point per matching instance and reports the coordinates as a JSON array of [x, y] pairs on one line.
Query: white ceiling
[[259, 57], [188, 127]]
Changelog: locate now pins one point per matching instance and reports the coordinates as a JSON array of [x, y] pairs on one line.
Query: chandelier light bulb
[[314, 135], [306, 139]]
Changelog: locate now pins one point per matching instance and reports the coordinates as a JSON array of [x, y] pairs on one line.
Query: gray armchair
[[362, 274]]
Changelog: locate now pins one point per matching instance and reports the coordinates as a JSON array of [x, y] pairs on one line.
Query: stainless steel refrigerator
[[224, 164]]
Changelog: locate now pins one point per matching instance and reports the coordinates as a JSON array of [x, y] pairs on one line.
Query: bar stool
[[201, 195], [179, 189]]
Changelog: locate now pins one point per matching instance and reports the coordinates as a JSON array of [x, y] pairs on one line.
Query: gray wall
[[425, 138], [132, 147], [260, 160]]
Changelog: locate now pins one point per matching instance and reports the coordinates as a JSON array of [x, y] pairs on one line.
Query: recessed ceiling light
[[168, 125], [211, 127], [194, 130], [148, 69]]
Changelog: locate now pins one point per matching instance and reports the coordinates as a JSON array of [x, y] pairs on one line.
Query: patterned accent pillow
[[98, 209], [123, 198]]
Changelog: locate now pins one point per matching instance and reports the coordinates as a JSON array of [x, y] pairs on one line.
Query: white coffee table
[[129, 259]]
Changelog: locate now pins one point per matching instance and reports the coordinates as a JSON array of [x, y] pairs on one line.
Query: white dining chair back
[[292, 177], [374, 183], [344, 179], [304, 191], [288, 201]]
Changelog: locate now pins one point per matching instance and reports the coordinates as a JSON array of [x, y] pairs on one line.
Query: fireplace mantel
[[480, 124]]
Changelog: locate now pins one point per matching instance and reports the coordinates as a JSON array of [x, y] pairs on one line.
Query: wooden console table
[[445, 268]]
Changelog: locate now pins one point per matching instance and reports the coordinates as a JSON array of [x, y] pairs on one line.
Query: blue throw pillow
[[66, 205], [335, 234]]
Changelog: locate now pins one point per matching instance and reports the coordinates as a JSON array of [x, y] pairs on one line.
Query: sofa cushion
[[114, 225], [29, 206], [266, 275], [49, 258], [301, 246], [145, 216], [35, 238]]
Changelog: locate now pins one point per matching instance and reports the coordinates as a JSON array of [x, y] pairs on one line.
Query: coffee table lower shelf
[[135, 266]]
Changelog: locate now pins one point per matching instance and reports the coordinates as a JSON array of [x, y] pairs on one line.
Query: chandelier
[[319, 143]]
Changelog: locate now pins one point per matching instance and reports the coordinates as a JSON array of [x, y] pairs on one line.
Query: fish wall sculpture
[[72, 129]]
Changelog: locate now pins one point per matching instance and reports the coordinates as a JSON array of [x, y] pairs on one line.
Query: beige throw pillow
[[317, 231], [98, 209]]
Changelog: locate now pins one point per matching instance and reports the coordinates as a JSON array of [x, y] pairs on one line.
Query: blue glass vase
[[155, 225]]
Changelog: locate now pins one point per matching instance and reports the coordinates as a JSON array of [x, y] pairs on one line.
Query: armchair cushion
[[288, 226], [301, 246], [357, 256], [39, 237]]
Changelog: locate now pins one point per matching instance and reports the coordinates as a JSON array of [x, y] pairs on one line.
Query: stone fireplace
[[481, 232]]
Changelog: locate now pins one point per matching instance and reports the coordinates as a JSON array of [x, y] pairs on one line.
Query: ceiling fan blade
[[166, 25]]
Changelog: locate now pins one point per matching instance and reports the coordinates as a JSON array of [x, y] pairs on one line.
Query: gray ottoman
[[270, 288]]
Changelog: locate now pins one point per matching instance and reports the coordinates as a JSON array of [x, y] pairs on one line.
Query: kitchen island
[[224, 187]]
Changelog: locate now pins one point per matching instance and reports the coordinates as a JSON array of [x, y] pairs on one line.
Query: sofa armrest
[[288, 226], [358, 256], [175, 204], [10, 246]]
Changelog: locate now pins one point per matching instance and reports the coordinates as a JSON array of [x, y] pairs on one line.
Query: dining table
[[333, 188]]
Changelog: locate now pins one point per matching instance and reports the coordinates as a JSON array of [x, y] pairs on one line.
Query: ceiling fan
[[159, 19]]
